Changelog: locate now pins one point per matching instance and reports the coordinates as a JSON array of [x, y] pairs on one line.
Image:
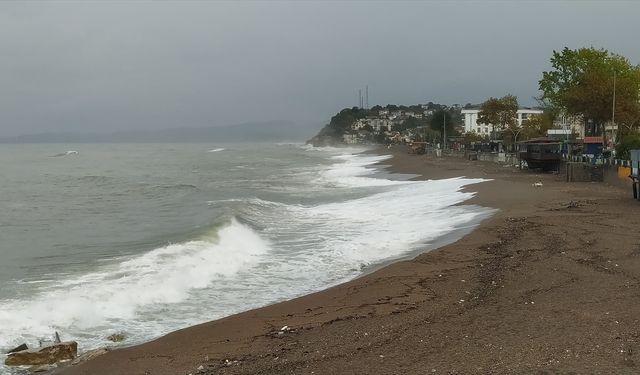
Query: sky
[[124, 65]]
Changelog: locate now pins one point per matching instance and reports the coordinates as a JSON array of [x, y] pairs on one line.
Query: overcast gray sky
[[104, 66]]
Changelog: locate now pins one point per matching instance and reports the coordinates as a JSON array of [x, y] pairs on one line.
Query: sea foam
[[115, 294]]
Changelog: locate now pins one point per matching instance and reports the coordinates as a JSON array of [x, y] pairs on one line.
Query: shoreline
[[484, 303]]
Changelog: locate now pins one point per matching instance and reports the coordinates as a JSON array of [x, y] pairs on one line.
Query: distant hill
[[271, 131]]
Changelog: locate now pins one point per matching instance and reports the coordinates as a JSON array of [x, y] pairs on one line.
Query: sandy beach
[[549, 284]]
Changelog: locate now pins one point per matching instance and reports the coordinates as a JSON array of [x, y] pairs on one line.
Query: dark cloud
[[104, 66]]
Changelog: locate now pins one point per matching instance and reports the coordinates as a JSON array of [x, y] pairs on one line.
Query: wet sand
[[549, 284]]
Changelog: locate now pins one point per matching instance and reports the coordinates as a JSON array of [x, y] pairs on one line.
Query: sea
[[144, 239]]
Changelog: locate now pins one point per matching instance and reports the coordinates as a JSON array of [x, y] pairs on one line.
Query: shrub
[[629, 142]]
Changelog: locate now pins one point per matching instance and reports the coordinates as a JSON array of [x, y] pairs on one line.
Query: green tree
[[499, 112], [368, 128], [411, 123], [630, 142], [536, 126], [582, 83], [438, 120], [472, 137], [345, 118]]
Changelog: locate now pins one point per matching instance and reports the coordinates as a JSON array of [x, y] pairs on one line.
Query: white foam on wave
[[67, 153], [216, 150], [398, 219], [324, 244], [391, 223], [352, 170], [334, 150], [386, 225], [84, 305], [317, 246]]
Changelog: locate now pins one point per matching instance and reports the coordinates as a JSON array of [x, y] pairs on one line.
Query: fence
[[577, 168]]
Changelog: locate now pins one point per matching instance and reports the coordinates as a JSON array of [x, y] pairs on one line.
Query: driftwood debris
[[45, 355]]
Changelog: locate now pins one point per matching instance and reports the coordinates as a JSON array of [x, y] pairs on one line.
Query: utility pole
[[366, 103], [613, 109], [444, 130]]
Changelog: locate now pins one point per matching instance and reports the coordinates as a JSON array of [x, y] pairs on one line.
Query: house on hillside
[[381, 124], [359, 124]]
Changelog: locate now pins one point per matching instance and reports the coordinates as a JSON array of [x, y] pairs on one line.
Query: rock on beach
[[46, 355]]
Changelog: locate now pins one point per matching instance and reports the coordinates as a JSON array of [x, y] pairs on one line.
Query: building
[[570, 125], [377, 124], [381, 124], [359, 124], [471, 122], [471, 119], [525, 113]]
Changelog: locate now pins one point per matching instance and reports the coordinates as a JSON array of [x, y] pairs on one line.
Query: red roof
[[597, 139]]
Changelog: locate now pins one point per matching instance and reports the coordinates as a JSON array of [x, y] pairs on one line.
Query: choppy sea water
[[148, 238]]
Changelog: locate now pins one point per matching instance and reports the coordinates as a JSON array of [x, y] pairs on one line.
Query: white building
[[381, 124], [471, 119], [471, 122], [571, 124], [378, 124]]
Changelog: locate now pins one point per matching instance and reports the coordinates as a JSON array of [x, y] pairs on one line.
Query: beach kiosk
[[540, 153], [592, 146]]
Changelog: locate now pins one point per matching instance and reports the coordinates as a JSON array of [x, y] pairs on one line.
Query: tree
[[410, 123], [628, 119], [582, 83], [628, 143], [368, 128], [472, 137], [499, 112], [438, 120], [536, 126], [345, 118]]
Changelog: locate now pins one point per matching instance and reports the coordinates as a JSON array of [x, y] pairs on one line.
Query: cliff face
[[327, 136], [332, 133]]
